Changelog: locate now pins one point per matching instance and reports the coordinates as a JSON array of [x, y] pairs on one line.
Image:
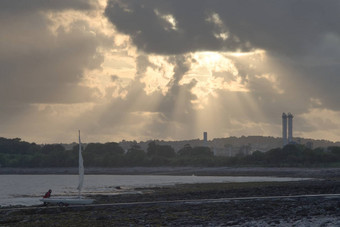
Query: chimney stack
[[290, 127], [284, 129]]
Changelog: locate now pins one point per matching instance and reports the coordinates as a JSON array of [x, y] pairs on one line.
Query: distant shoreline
[[198, 171]]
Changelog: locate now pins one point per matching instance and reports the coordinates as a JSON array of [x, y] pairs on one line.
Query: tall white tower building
[[284, 129], [290, 127]]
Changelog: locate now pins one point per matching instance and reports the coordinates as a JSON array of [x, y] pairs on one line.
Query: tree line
[[17, 153]]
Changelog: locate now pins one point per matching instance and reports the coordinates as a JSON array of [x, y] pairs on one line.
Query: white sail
[[81, 167], [69, 200]]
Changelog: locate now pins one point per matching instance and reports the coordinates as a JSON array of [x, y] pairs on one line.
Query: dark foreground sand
[[165, 206]]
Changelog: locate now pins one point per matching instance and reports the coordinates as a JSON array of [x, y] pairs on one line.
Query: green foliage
[[187, 150], [292, 155], [60, 159], [159, 155], [197, 156], [335, 151], [165, 151], [103, 155], [16, 146], [199, 160], [50, 148], [135, 156], [17, 153], [98, 148]]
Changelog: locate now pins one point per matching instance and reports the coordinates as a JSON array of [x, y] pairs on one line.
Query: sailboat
[[73, 200]]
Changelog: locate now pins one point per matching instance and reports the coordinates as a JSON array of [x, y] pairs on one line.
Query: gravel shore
[[166, 207], [218, 204]]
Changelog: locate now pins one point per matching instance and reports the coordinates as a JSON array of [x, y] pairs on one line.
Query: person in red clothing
[[48, 194]]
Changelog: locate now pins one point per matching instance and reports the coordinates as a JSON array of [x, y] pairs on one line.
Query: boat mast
[[80, 168]]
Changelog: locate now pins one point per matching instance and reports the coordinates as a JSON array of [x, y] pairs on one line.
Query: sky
[[168, 70]]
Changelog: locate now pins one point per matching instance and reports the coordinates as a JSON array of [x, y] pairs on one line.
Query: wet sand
[[198, 171]]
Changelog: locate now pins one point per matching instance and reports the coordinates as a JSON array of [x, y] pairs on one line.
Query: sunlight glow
[[119, 57], [257, 53], [212, 62], [213, 71], [158, 75], [170, 19], [273, 80], [221, 31]]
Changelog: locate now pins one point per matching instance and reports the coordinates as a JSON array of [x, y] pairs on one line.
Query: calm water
[[28, 189]]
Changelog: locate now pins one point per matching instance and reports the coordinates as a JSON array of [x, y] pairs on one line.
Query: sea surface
[[26, 190]]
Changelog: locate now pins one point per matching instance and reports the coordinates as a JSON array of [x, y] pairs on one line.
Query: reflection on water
[[28, 189]]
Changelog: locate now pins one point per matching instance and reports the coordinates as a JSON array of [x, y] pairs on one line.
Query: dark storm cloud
[[149, 31], [15, 6], [300, 36], [289, 27], [43, 65], [38, 65]]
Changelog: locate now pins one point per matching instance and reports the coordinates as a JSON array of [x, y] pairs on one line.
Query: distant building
[[284, 129], [287, 120], [290, 127], [205, 137]]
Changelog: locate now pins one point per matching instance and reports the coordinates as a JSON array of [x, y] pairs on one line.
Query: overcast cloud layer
[[141, 69]]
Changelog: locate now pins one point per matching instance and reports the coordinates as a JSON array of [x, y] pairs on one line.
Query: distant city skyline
[[168, 70]]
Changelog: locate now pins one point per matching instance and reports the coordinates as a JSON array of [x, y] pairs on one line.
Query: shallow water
[[28, 189]]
